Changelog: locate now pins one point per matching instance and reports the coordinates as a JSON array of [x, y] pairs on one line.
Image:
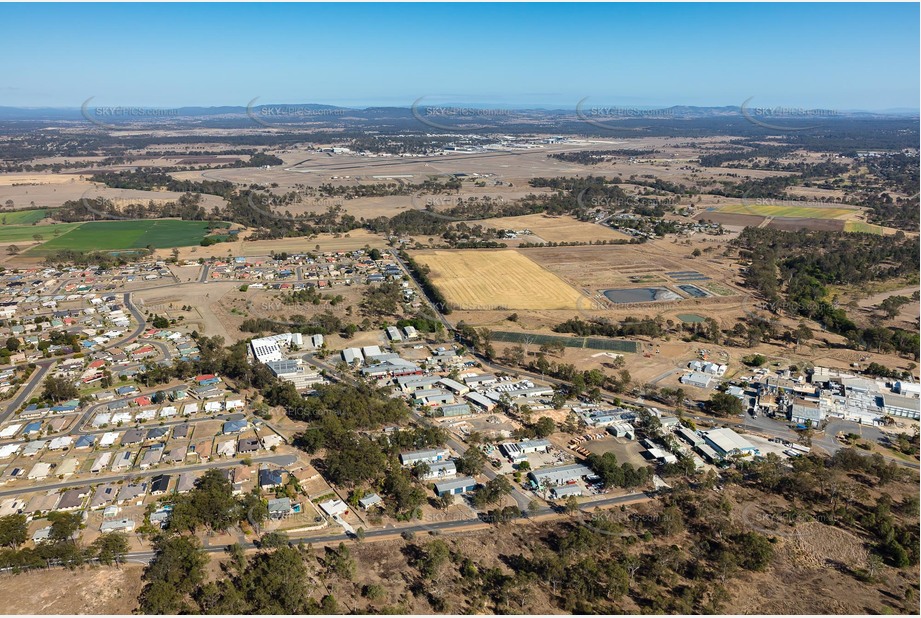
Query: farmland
[[557, 228], [22, 217], [789, 212], [135, 234], [506, 279], [26, 233]]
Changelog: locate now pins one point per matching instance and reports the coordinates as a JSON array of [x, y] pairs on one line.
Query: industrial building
[[518, 450], [429, 456], [696, 378], [900, 405], [440, 470], [455, 486], [451, 409], [296, 373], [726, 442], [559, 475]]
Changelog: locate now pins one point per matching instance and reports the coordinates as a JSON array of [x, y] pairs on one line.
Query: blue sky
[[836, 56]]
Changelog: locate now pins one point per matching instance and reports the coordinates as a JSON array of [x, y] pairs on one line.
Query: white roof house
[[334, 508], [59, 443], [8, 450], [39, 471], [108, 439]]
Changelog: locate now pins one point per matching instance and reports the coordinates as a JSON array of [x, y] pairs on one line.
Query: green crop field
[[863, 227], [22, 217], [26, 233], [134, 234], [787, 212]]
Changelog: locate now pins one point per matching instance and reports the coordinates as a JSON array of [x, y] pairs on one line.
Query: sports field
[[789, 212], [22, 217], [134, 234], [493, 280]]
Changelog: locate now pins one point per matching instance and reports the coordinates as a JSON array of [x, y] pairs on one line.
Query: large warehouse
[[559, 475], [727, 442]]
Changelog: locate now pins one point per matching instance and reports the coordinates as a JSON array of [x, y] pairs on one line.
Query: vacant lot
[[101, 590], [557, 228], [478, 279], [135, 234]]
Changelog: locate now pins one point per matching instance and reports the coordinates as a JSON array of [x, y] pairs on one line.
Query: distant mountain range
[[281, 111]]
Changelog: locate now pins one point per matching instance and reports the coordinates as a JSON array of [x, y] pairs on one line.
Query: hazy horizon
[[544, 56]]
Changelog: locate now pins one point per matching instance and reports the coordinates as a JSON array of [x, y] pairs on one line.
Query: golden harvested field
[[557, 229], [492, 280]]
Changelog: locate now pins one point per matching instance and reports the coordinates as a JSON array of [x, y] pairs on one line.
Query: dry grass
[[557, 229], [506, 279], [100, 590]]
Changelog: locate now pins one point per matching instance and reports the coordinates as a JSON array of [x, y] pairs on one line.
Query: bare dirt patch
[[96, 590]]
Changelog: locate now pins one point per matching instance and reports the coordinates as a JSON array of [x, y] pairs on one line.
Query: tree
[[571, 506], [13, 530], [724, 404], [544, 427], [434, 556], [177, 569], [276, 583], [64, 526], [471, 462], [12, 249], [802, 333], [111, 548], [271, 540], [59, 389], [12, 344], [210, 503], [492, 492]]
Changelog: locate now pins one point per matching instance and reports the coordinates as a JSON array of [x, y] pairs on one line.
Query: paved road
[[43, 366], [826, 441], [439, 527], [279, 460]]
